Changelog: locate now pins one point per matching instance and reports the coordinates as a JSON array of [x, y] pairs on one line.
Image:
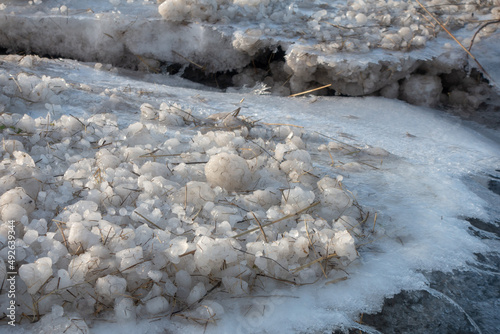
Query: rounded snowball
[[228, 171]]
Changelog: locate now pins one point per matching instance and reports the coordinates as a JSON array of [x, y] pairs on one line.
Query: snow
[[146, 195]]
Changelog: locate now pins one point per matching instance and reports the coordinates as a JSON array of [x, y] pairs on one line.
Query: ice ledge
[[147, 40]]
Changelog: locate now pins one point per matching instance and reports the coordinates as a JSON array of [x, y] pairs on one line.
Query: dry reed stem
[[149, 221], [278, 220], [62, 233], [309, 91], [260, 226]]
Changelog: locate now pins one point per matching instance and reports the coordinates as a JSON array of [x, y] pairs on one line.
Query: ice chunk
[[421, 90], [210, 309], [178, 246], [148, 111], [235, 285], [124, 309], [110, 286], [157, 305], [332, 197], [80, 237], [30, 236], [18, 196], [129, 258], [198, 193], [12, 211], [180, 10], [183, 281], [296, 199], [196, 293], [344, 245], [36, 274], [228, 171], [11, 145], [105, 160]]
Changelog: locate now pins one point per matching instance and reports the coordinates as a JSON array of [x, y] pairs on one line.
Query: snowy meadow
[[245, 199]]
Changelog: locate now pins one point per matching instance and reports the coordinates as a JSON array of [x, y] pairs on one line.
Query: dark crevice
[[220, 80]]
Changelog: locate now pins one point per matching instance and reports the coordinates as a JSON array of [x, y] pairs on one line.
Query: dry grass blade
[[310, 90], [284, 124], [278, 220], [296, 270], [336, 280], [374, 222], [260, 226], [62, 233], [149, 221], [149, 67], [339, 141], [456, 40], [17, 84], [190, 61]]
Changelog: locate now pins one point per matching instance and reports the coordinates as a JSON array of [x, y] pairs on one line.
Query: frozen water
[[131, 185]]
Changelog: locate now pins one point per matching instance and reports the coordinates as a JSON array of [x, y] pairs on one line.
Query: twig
[[309, 91], [481, 28], [199, 300]]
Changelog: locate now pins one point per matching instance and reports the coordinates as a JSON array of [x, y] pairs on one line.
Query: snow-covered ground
[[141, 200]]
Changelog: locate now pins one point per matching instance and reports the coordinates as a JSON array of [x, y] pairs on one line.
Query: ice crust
[[359, 47]]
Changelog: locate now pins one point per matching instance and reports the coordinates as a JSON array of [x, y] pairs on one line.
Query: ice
[[129, 258], [422, 85], [18, 197], [12, 145], [110, 286], [210, 310], [124, 308], [30, 236], [80, 238], [35, 274], [196, 293], [157, 305], [228, 171], [139, 196], [183, 282], [296, 199], [13, 212]]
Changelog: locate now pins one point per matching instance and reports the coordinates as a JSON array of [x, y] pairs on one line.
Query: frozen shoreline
[[139, 172]]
